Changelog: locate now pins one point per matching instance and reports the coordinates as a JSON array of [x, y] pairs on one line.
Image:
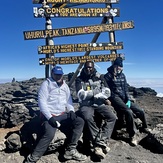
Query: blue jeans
[[99, 135]]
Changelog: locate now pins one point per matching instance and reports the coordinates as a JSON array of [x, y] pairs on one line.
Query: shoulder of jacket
[[98, 74], [46, 82], [65, 84], [108, 75], [122, 74], [78, 79]]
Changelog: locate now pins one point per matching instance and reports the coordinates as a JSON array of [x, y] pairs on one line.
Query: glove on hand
[[106, 92], [72, 115], [82, 95], [54, 123], [96, 91], [128, 104], [100, 95]]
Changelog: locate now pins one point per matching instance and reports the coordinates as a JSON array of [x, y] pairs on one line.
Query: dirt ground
[[121, 151]]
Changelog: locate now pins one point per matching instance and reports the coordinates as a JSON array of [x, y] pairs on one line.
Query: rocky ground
[[121, 151]]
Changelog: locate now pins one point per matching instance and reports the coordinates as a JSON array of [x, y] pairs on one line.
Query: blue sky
[[142, 45]]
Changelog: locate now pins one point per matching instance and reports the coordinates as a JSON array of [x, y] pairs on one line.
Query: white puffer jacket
[[53, 99]]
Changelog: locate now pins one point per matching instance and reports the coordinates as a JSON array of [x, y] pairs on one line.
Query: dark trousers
[[71, 128], [122, 110], [99, 135]]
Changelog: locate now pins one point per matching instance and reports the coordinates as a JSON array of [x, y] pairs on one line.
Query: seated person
[[121, 100], [93, 98], [57, 112]]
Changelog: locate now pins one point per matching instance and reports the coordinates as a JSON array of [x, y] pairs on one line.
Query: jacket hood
[[110, 69]]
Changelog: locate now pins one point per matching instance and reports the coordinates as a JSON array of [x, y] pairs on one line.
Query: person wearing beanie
[[118, 62], [122, 102], [57, 112]]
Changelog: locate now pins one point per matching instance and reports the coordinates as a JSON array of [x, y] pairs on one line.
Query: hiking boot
[[74, 155], [99, 152], [145, 130], [134, 141], [106, 149], [31, 159]]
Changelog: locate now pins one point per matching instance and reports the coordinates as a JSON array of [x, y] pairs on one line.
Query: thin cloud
[[129, 63], [154, 83]]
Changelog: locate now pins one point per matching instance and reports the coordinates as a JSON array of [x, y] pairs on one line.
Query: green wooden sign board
[[66, 48], [75, 1], [79, 59], [75, 12], [71, 31]]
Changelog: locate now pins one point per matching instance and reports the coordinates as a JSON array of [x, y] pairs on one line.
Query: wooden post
[[48, 41], [111, 33]]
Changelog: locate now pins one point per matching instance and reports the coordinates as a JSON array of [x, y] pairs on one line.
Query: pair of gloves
[[102, 97], [56, 124], [104, 94], [97, 93]]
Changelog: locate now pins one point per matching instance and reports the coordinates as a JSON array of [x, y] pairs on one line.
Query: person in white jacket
[[57, 111]]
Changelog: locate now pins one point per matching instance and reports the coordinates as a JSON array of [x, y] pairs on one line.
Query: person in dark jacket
[[121, 100], [93, 93]]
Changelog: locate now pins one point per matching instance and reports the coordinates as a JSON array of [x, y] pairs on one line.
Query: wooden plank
[[79, 59], [75, 1], [66, 48], [75, 12], [71, 31]]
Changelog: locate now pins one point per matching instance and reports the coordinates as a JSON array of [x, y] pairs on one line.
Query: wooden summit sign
[[42, 34], [79, 59], [75, 12], [65, 48], [75, 1]]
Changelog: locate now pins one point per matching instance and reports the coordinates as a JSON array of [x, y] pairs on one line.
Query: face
[[118, 69], [89, 68], [57, 77]]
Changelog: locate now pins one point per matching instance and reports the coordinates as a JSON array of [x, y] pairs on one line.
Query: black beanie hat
[[118, 62]]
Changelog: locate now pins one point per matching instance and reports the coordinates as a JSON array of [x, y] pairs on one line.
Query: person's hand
[[54, 123], [128, 104], [72, 115], [107, 102]]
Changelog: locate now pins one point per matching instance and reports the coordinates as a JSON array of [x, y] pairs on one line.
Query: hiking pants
[[121, 109], [71, 128], [99, 135]]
